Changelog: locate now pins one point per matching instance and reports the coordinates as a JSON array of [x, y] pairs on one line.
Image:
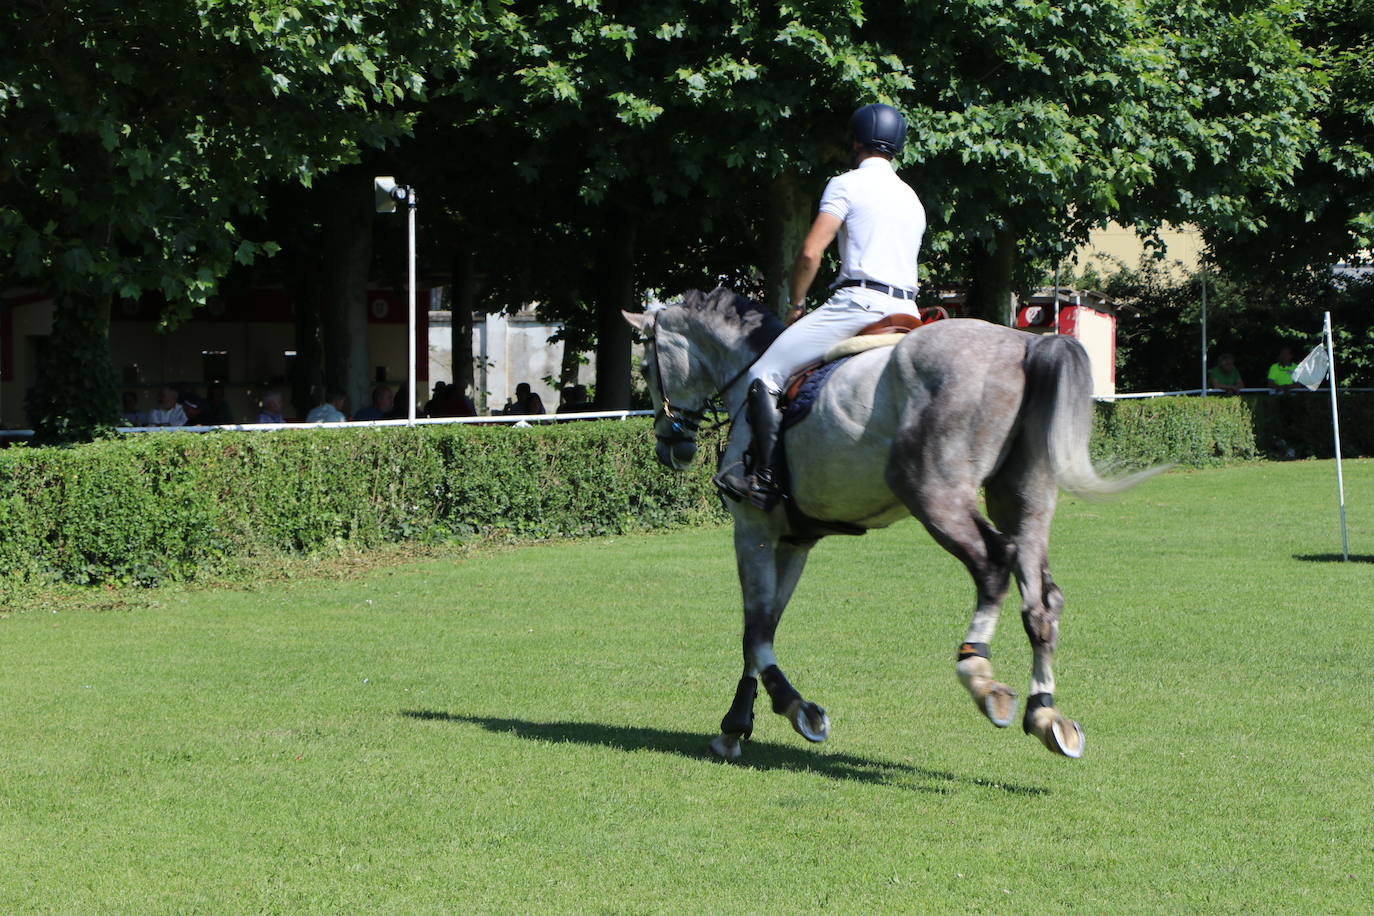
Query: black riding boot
[[758, 484], [764, 421]]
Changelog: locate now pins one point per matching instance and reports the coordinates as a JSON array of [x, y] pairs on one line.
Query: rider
[[880, 221]]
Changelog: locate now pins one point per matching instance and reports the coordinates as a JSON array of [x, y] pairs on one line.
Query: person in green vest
[[1281, 372], [1225, 375]]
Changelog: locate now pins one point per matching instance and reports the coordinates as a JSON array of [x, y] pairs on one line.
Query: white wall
[[507, 350]]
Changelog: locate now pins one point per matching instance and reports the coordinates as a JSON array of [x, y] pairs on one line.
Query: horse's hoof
[[999, 705], [1061, 735], [726, 747], [810, 721], [1068, 737]]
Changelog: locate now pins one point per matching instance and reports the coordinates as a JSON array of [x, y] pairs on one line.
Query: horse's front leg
[[768, 571]]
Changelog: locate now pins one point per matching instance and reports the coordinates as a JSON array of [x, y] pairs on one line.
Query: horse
[[913, 429]]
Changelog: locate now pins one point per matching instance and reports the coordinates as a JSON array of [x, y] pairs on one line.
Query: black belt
[[879, 287]]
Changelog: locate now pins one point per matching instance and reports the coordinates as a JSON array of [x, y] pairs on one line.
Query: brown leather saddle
[[896, 323]]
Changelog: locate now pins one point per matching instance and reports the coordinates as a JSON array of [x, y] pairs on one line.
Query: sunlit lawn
[[525, 730]]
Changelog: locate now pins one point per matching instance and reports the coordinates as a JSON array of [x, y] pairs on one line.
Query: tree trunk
[[463, 304], [572, 336], [991, 265], [613, 336], [571, 363], [307, 375], [784, 230], [347, 237], [75, 398]]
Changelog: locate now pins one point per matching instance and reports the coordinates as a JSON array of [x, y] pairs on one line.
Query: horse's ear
[[636, 319]]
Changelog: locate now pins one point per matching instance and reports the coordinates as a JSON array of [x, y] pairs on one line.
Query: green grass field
[[524, 730]]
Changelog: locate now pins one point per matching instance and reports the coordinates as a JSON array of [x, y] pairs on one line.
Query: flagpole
[[1203, 275], [1336, 433], [411, 319]]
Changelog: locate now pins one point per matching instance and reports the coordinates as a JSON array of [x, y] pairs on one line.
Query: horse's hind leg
[[768, 575], [1023, 505], [948, 510]]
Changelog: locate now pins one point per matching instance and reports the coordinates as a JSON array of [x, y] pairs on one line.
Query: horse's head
[[693, 352], [679, 391]]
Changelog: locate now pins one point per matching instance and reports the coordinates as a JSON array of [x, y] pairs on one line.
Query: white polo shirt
[[883, 224]]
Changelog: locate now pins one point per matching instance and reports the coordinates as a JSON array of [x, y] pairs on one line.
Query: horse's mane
[[759, 325]]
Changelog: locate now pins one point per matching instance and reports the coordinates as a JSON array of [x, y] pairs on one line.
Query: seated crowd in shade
[[179, 405]]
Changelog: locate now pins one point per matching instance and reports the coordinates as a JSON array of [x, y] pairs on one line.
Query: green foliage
[[137, 149], [1325, 214], [1247, 316], [1031, 123], [1302, 422], [175, 505], [132, 144]]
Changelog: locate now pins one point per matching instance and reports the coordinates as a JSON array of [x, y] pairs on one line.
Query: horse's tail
[[1058, 417]]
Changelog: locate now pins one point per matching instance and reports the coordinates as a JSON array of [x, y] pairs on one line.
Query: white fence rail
[[539, 419], [526, 420], [1214, 392]]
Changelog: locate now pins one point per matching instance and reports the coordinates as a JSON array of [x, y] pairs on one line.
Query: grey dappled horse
[[911, 429]]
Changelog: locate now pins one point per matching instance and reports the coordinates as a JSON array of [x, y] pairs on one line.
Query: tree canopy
[[132, 143], [580, 153], [135, 144], [1325, 214]]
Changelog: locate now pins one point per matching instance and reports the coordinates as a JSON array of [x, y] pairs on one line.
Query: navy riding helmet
[[879, 127]]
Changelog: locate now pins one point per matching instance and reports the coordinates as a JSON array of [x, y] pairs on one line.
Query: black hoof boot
[[739, 721]]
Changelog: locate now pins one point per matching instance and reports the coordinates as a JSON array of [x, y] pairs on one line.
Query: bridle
[[684, 423]]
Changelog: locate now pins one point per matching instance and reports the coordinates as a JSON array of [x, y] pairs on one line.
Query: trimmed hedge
[[178, 505], [1190, 431], [1302, 422], [170, 506], [1198, 432]]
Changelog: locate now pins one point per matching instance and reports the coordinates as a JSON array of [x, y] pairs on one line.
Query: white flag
[[1312, 370]]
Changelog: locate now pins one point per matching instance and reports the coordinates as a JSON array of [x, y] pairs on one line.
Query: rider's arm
[[822, 233]]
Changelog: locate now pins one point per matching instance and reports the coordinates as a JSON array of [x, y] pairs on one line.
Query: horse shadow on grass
[[1332, 558], [759, 755]]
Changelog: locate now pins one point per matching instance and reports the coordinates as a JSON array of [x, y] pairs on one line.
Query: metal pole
[[1336, 432], [1204, 331], [411, 201], [1056, 297]]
